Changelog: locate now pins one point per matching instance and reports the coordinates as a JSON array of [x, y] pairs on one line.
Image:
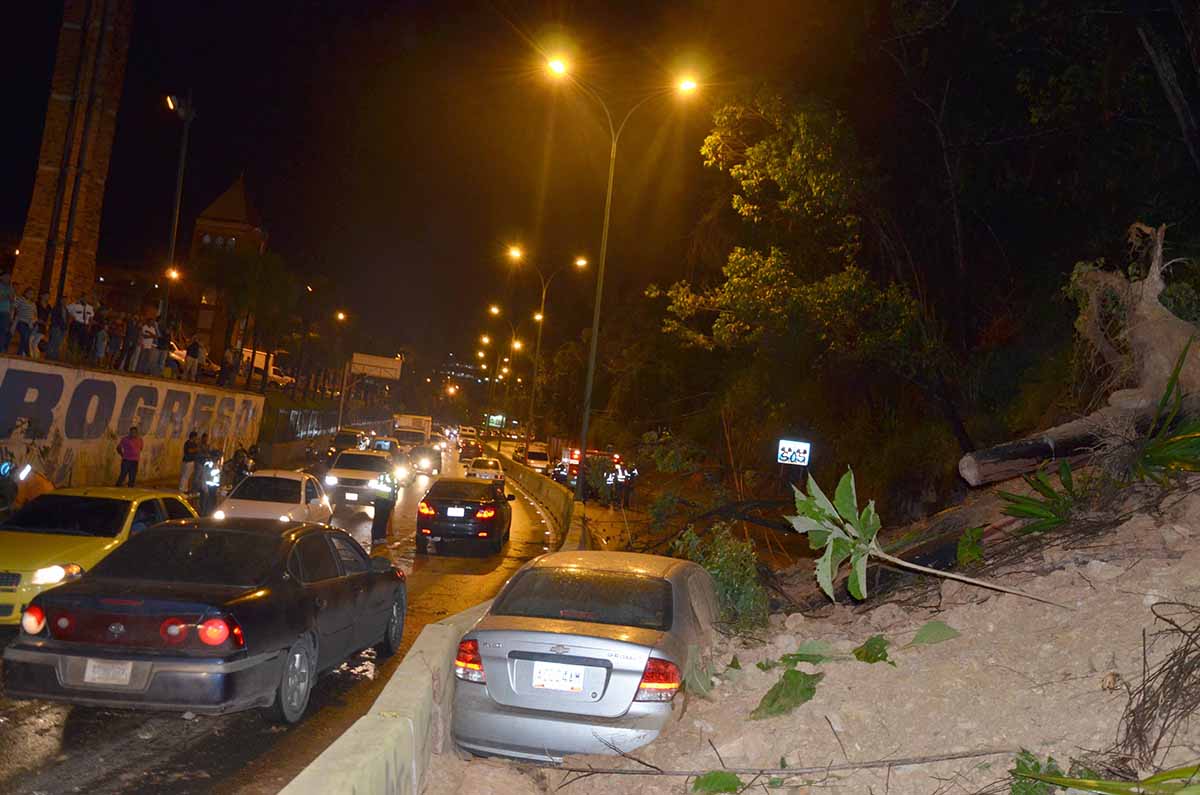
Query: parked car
[[58, 536], [464, 509], [469, 450], [581, 653], [283, 494], [360, 476], [177, 359], [485, 468], [209, 616]]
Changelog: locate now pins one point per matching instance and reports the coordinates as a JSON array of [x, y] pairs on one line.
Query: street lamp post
[[559, 69], [186, 111], [172, 277]]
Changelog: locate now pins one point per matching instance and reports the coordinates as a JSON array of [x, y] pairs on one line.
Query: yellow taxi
[[57, 536]]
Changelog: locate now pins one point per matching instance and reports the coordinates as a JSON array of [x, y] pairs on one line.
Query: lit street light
[[485, 339], [515, 253], [452, 390], [172, 277], [539, 317], [480, 354], [495, 310], [687, 85], [341, 316]]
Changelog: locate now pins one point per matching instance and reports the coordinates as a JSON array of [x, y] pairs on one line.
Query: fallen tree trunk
[[1146, 349]]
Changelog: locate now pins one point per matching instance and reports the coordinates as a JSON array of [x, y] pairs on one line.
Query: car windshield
[[74, 515], [537, 455], [599, 597], [457, 490], [262, 488], [344, 440], [193, 555], [370, 463], [383, 445], [485, 463]]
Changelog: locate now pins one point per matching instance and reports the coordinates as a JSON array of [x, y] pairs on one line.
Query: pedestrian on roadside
[[100, 344], [193, 359], [60, 327], [191, 448], [6, 308], [24, 316], [130, 450]]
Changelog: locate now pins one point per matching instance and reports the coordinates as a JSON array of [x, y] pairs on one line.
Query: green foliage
[[810, 651], [697, 676], [733, 565], [874, 649], [793, 689], [934, 632], [970, 547], [1032, 779], [734, 664], [717, 781], [1170, 449], [838, 527], [1050, 510], [1025, 770], [1182, 300]]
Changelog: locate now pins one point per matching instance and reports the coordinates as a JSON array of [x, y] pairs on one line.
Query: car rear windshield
[[452, 490], [411, 437], [598, 597], [422, 452], [193, 555], [344, 440], [370, 463], [262, 488], [486, 463], [73, 515], [535, 455]]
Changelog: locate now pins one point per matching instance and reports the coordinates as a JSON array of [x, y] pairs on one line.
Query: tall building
[[62, 227]]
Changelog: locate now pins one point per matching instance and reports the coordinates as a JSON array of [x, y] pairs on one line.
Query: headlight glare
[[331, 480], [52, 575]]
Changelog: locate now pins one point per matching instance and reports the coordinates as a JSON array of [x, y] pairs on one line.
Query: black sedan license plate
[[107, 672]]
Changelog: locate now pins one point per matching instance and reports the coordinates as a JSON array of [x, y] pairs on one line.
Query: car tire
[[393, 634], [295, 682], [422, 545]]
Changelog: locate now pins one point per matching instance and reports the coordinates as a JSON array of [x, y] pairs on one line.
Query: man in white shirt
[[149, 355]]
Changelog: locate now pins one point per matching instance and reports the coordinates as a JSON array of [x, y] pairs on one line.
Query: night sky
[[399, 147]]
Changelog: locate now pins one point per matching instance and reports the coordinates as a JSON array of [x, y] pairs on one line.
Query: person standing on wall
[[193, 359], [191, 449], [148, 352], [25, 315], [6, 300], [132, 345], [130, 450], [60, 325]]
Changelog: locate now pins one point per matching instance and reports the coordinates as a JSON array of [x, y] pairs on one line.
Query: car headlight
[[52, 575], [425, 463], [380, 484], [330, 480], [283, 517], [218, 515], [401, 473]]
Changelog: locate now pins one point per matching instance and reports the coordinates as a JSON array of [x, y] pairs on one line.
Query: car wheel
[[422, 545], [295, 683], [394, 632]]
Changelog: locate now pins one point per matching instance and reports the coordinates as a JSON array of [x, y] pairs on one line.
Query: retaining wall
[[66, 420], [388, 750], [556, 498]]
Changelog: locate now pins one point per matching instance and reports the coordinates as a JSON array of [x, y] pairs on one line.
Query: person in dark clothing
[[191, 448], [130, 450], [60, 324]]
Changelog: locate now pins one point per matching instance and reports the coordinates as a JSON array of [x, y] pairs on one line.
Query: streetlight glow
[[173, 274], [581, 262], [539, 317], [557, 67], [452, 390], [495, 310], [515, 252], [485, 339], [687, 85], [479, 354], [340, 316], [171, 102], [504, 370], [517, 345]]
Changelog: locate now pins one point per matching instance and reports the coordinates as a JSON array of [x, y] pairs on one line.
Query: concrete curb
[[557, 500], [388, 750]]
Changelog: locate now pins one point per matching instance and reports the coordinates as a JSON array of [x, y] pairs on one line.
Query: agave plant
[[1178, 781], [1170, 449]]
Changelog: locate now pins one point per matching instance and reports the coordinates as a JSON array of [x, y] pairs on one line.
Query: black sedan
[[469, 450], [464, 509], [209, 616]]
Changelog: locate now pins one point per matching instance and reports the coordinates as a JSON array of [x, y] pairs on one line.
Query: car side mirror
[[510, 497], [381, 565]]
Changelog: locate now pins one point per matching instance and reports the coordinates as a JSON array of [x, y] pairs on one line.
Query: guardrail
[[388, 750], [556, 498]]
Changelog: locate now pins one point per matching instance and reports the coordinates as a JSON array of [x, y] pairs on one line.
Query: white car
[[358, 477], [487, 468], [467, 432], [282, 494]]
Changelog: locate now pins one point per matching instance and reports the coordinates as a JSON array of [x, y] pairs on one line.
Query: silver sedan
[[581, 653]]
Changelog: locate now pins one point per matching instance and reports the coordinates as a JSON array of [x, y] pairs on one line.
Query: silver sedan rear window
[[599, 597]]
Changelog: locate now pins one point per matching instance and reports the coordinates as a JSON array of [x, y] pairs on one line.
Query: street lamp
[[515, 253], [480, 354], [485, 339], [559, 70], [187, 112], [495, 310], [172, 277], [340, 316]]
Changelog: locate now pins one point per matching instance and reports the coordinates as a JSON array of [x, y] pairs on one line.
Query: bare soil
[[1020, 675]]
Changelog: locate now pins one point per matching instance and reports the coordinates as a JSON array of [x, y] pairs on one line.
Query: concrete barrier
[[556, 498], [388, 750]]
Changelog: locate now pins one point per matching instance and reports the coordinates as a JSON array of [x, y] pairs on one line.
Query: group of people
[[134, 342], [618, 483]]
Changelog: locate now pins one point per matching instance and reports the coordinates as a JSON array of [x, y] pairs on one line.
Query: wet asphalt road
[[56, 748]]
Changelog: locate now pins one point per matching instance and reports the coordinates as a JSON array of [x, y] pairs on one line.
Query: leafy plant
[[846, 533], [734, 569], [873, 650], [970, 547], [697, 676], [793, 689], [1177, 781], [1026, 771], [1052, 509], [1170, 450], [718, 781], [933, 632]]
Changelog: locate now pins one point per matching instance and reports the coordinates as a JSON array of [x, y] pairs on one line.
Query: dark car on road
[[469, 450], [208, 616], [426, 460], [461, 509]]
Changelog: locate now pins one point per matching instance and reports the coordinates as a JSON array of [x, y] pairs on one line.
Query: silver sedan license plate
[[107, 672], [558, 676]]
